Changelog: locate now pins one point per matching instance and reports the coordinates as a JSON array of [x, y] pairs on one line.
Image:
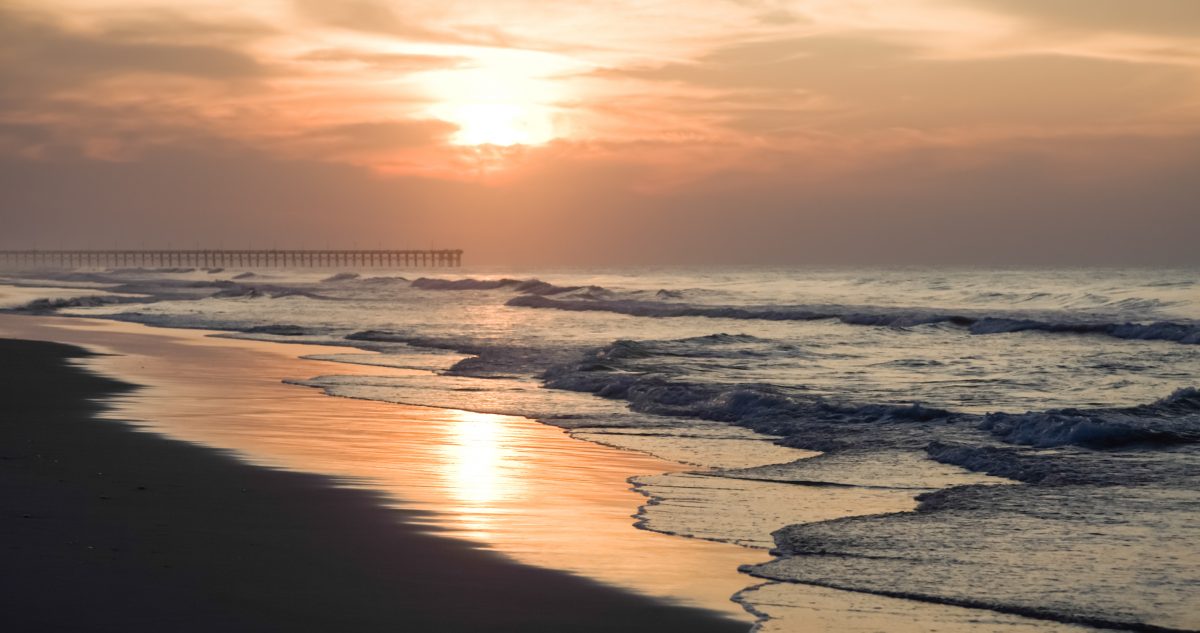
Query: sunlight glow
[[478, 477], [506, 97], [502, 124]]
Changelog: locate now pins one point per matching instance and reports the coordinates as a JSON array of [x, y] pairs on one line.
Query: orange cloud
[[809, 115]]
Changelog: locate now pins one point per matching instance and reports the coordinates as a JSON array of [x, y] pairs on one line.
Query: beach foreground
[[447, 432], [110, 529]]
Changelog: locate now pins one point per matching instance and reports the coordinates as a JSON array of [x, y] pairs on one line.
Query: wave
[[1033, 612], [1057, 428], [1008, 463], [1001, 548], [427, 283], [620, 371], [150, 291], [166, 270], [357, 280], [803, 420], [380, 336], [1104, 462], [405, 338], [1179, 332], [1186, 333], [485, 359], [721, 345], [39, 306], [279, 329], [532, 287], [243, 291], [153, 290], [383, 279], [1172, 420], [655, 309]]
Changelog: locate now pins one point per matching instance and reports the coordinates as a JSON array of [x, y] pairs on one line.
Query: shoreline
[[810, 606], [101, 513]]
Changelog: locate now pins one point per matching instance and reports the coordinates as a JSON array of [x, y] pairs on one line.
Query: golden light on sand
[[477, 454], [512, 485]]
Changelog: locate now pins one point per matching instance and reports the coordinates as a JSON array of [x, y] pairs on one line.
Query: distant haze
[[620, 132]]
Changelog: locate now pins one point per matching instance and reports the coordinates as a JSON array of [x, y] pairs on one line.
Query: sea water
[[1014, 441]]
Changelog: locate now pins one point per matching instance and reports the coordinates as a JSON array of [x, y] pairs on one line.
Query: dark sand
[[104, 528]]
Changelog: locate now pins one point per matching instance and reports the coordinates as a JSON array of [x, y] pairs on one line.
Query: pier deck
[[221, 258]]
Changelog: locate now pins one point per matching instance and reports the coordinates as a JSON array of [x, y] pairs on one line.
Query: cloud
[[752, 130], [1163, 17], [1090, 200], [368, 16], [389, 62], [42, 53], [860, 83], [166, 25], [123, 82], [357, 139]]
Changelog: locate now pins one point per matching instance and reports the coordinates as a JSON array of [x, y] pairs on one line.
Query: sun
[[503, 97], [501, 124]]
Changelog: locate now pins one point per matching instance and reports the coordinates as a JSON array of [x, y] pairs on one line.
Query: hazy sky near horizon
[[656, 131]]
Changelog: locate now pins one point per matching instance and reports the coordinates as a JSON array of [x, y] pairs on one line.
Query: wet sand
[[495, 484], [105, 528], [507, 484]]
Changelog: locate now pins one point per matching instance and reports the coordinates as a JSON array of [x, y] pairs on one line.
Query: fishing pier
[[221, 258]]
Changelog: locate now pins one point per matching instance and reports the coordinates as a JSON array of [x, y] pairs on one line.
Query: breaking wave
[[819, 423], [1179, 332], [244, 291], [1099, 463], [484, 360], [1125, 574], [166, 270], [534, 287], [427, 283], [1172, 420], [279, 329], [1186, 333], [39, 306]]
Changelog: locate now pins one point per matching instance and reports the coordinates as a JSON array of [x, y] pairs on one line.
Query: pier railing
[[221, 258]]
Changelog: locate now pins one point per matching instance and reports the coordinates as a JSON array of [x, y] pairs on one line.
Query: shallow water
[[891, 374], [513, 486]]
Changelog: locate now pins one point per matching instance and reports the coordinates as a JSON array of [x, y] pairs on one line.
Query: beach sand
[[105, 528], [362, 546]]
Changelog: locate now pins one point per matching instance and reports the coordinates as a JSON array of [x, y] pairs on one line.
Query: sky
[[964, 132]]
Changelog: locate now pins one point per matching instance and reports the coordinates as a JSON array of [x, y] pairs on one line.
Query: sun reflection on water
[[482, 472], [507, 484]]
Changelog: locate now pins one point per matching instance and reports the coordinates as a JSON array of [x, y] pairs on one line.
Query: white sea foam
[[1112, 557], [1185, 332]]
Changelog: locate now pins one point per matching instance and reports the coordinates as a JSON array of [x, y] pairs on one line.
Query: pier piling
[[171, 258]]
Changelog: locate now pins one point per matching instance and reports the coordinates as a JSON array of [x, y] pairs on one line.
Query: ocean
[[1043, 423]]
